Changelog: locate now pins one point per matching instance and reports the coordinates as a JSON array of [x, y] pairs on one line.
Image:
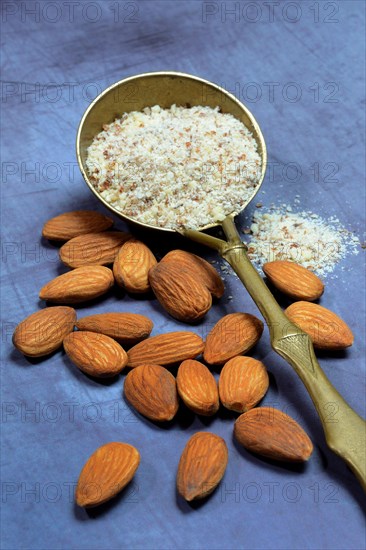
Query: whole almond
[[181, 294], [232, 335], [152, 391], [93, 248], [326, 330], [201, 466], [294, 280], [127, 328], [72, 224], [197, 388], [80, 285], [95, 354], [131, 266], [108, 470], [43, 332], [166, 349], [243, 383], [273, 434], [199, 268]]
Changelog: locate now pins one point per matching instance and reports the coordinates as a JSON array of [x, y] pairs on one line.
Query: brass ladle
[[345, 431]]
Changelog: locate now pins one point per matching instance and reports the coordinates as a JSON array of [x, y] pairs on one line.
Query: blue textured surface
[[54, 61]]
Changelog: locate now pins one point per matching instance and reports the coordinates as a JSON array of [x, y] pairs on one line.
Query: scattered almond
[[243, 383], [152, 391], [325, 328], [93, 248], [181, 293], [273, 434], [166, 349], [232, 335], [127, 328], [201, 466], [294, 280], [72, 224], [108, 470], [43, 332], [131, 266], [95, 354], [80, 285], [197, 388], [199, 268]]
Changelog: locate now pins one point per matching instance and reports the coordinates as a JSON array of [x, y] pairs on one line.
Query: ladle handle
[[345, 430]]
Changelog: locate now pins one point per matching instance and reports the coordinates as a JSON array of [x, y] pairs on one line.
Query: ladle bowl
[[163, 88]]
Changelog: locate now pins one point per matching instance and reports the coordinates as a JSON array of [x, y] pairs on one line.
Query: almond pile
[[105, 344]]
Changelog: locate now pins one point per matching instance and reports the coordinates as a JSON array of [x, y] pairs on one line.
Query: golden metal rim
[[259, 138]]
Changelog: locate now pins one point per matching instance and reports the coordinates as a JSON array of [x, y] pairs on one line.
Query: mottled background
[[299, 67]]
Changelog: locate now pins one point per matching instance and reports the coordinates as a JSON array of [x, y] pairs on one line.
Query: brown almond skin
[[166, 349], [181, 294], [107, 471], [127, 328], [294, 280], [152, 391], [243, 383], [197, 388], [199, 268], [93, 248], [95, 354], [234, 334], [326, 330], [43, 332], [201, 466], [72, 224], [131, 266], [80, 285], [273, 434]]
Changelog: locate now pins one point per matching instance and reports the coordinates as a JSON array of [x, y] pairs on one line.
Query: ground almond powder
[[303, 237], [177, 167]]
